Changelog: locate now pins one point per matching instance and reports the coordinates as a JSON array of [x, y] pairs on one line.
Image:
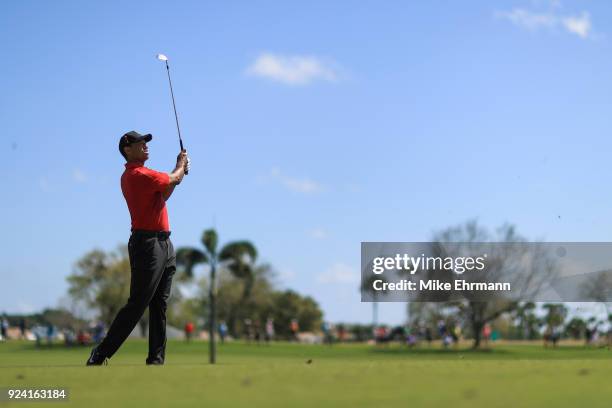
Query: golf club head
[[162, 57]]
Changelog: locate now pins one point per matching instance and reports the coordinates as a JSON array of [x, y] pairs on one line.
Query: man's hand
[[182, 165], [179, 171], [181, 159]]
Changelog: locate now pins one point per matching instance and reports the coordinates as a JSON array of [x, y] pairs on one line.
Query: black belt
[[151, 234]]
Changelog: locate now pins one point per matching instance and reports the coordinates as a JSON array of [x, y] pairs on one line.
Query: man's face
[[137, 151]]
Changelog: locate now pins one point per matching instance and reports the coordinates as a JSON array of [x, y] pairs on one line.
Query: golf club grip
[[182, 148]]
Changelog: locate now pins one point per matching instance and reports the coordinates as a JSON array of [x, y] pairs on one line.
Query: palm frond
[[210, 240], [237, 250], [241, 270], [187, 258]]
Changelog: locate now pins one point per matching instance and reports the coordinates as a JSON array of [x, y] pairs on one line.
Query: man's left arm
[[185, 167], [169, 191]]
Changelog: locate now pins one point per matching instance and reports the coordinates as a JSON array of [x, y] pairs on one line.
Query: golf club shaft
[[174, 107]]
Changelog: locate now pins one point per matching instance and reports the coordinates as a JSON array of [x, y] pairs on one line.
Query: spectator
[[22, 328], [257, 331], [188, 331], [99, 332], [50, 333], [4, 325], [428, 336], [222, 331], [248, 330], [588, 336], [327, 336], [442, 331], [83, 338], [69, 337], [456, 334], [381, 334], [294, 328], [447, 340], [556, 335], [486, 333], [269, 329], [38, 332], [341, 333]]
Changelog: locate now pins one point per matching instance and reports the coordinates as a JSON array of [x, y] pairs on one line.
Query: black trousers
[[153, 264]]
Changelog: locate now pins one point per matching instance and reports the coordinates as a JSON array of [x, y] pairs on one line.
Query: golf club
[[162, 57]]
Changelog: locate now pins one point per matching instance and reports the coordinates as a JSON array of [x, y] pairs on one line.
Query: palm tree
[[368, 286], [239, 257]]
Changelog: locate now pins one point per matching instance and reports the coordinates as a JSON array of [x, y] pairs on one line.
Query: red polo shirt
[[143, 190]]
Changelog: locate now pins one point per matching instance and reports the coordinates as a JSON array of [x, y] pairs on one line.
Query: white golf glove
[[188, 165]]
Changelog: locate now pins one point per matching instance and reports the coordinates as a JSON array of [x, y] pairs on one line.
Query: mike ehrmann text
[[436, 285]]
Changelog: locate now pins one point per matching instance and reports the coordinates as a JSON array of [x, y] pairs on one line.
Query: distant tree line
[[55, 316], [243, 289]]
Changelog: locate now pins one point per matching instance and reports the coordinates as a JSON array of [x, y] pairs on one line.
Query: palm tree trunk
[[231, 321], [477, 329], [374, 314], [478, 322], [212, 357]]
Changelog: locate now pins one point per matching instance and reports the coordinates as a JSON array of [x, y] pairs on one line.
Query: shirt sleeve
[[155, 180]]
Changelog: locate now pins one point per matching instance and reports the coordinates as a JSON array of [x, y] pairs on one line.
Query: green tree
[[60, 318], [575, 328], [188, 309], [598, 290], [527, 323], [101, 280], [555, 314], [265, 302], [289, 305], [528, 281]]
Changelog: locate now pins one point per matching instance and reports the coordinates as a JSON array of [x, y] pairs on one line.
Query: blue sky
[[312, 126]]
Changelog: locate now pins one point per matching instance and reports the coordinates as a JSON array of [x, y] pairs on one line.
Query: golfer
[[152, 258]]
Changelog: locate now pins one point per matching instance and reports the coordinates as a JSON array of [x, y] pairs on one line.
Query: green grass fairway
[[341, 375]]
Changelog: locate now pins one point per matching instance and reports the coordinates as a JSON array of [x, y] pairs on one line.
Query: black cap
[[133, 137]]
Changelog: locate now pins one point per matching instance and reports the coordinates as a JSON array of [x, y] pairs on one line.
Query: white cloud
[[577, 25], [580, 26], [292, 70], [339, 273], [79, 176], [318, 233], [303, 186], [527, 19]]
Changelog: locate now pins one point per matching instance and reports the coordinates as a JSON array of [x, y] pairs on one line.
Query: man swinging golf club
[[152, 257]]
